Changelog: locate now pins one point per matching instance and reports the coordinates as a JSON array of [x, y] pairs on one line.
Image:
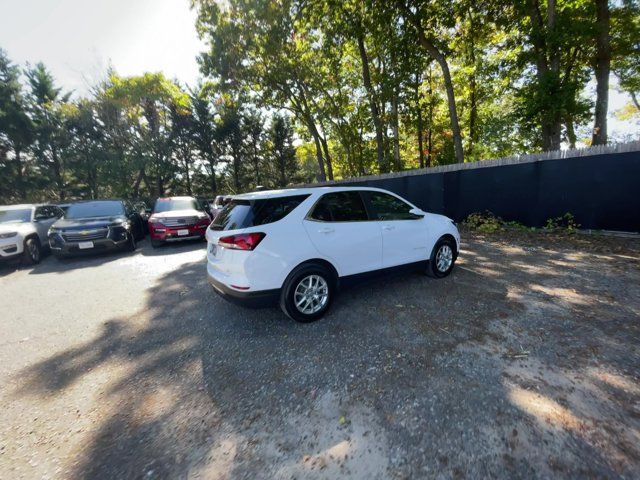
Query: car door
[[44, 217], [404, 235], [341, 230]]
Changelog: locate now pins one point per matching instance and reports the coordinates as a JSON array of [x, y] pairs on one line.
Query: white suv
[[23, 230], [297, 246]]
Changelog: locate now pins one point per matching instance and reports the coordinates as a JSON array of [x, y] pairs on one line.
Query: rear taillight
[[244, 241]]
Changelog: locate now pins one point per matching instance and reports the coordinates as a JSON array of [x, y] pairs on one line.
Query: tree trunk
[[634, 98], [214, 183], [375, 112], [419, 126], [602, 67], [57, 170], [473, 92], [187, 176], [547, 69], [571, 133], [430, 132], [22, 191], [396, 128], [327, 157], [316, 139], [136, 183], [437, 55]]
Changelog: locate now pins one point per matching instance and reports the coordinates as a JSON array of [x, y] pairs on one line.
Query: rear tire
[[32, 251], [443, 258], [308, 292]]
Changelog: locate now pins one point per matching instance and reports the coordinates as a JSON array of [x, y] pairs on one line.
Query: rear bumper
[[257, 299]]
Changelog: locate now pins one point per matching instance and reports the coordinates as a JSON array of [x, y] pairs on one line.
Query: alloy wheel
[[444, 258], [311, 294]]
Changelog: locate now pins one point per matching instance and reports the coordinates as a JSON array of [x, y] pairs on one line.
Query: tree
[[283, 154], [430, 44], [47, 105], [16, 128]]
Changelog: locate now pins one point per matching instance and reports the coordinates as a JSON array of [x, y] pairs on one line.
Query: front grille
[[86, 235], [180, 221]]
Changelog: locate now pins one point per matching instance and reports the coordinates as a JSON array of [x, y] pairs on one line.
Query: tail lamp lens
[[245, 241]]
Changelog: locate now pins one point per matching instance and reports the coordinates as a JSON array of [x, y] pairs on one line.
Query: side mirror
[[416, 212]]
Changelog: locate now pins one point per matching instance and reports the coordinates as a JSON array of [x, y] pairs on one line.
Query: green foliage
[[485, 222], [565, 224]]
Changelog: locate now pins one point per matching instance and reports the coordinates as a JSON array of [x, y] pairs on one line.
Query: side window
[[274, 209], [388, 207], [40, 213], [340, 207]]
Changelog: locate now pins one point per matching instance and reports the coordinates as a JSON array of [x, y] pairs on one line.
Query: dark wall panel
[[601, 191]]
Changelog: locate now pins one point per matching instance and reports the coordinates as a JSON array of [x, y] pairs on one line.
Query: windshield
[[94, 209], [15, 215], [171, 204]]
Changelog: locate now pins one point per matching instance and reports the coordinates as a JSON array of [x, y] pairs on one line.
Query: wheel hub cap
[[444, 258], [311, 294]]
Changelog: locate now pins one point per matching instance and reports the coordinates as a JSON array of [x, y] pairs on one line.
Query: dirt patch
[[522, 364]]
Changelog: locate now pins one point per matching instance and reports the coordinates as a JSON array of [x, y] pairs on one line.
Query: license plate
[[213, 249], [85, 245], [183, 233]]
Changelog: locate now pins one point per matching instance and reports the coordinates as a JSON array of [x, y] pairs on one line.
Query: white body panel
[[350, 247], [14, 245]]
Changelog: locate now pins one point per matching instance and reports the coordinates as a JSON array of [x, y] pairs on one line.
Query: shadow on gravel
[[174, 248], [220, 391]]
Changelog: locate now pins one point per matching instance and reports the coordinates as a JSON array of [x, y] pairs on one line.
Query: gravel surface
[[524, 363]]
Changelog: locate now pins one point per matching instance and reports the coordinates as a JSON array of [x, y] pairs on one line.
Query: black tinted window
[[108, 208], [388, 207], [251, 213], [340, 207]]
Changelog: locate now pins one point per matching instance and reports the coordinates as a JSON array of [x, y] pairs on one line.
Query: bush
[[565, 223], [485, 222]]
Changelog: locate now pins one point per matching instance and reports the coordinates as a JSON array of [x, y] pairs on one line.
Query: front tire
[[308, 292], [131, 244], [32, 251], [156, 243], [443, 258]]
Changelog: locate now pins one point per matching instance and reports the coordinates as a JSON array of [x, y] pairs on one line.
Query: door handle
[[326, 230], [388, 227]]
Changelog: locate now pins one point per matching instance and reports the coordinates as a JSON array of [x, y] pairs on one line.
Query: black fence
[[602, 191]]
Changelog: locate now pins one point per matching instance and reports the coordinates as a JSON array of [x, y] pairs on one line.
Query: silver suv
[[23, 230]]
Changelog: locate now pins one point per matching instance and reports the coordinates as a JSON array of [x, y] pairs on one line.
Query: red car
[[176, 219]]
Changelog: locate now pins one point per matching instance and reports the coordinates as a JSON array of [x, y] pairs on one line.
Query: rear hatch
[[243, 216]]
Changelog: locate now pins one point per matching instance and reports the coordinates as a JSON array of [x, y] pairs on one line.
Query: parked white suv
[[297, 246], [23, 230]]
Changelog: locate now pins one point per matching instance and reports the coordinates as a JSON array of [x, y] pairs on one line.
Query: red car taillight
[[244, 241]]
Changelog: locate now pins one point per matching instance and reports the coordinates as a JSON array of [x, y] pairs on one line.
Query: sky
[[78, 40]]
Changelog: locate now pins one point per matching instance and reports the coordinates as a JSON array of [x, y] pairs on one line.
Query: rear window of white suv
[[251, 213]]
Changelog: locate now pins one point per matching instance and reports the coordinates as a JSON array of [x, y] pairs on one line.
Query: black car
[[96, 225]]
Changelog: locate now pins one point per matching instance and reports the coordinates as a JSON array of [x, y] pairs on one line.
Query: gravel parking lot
[[524, 363]]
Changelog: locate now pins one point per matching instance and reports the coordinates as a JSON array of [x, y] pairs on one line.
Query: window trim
[[362, 199]]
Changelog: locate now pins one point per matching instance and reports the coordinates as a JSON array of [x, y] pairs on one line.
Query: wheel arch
[[448, 236], [31, 235], [318, 261]]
